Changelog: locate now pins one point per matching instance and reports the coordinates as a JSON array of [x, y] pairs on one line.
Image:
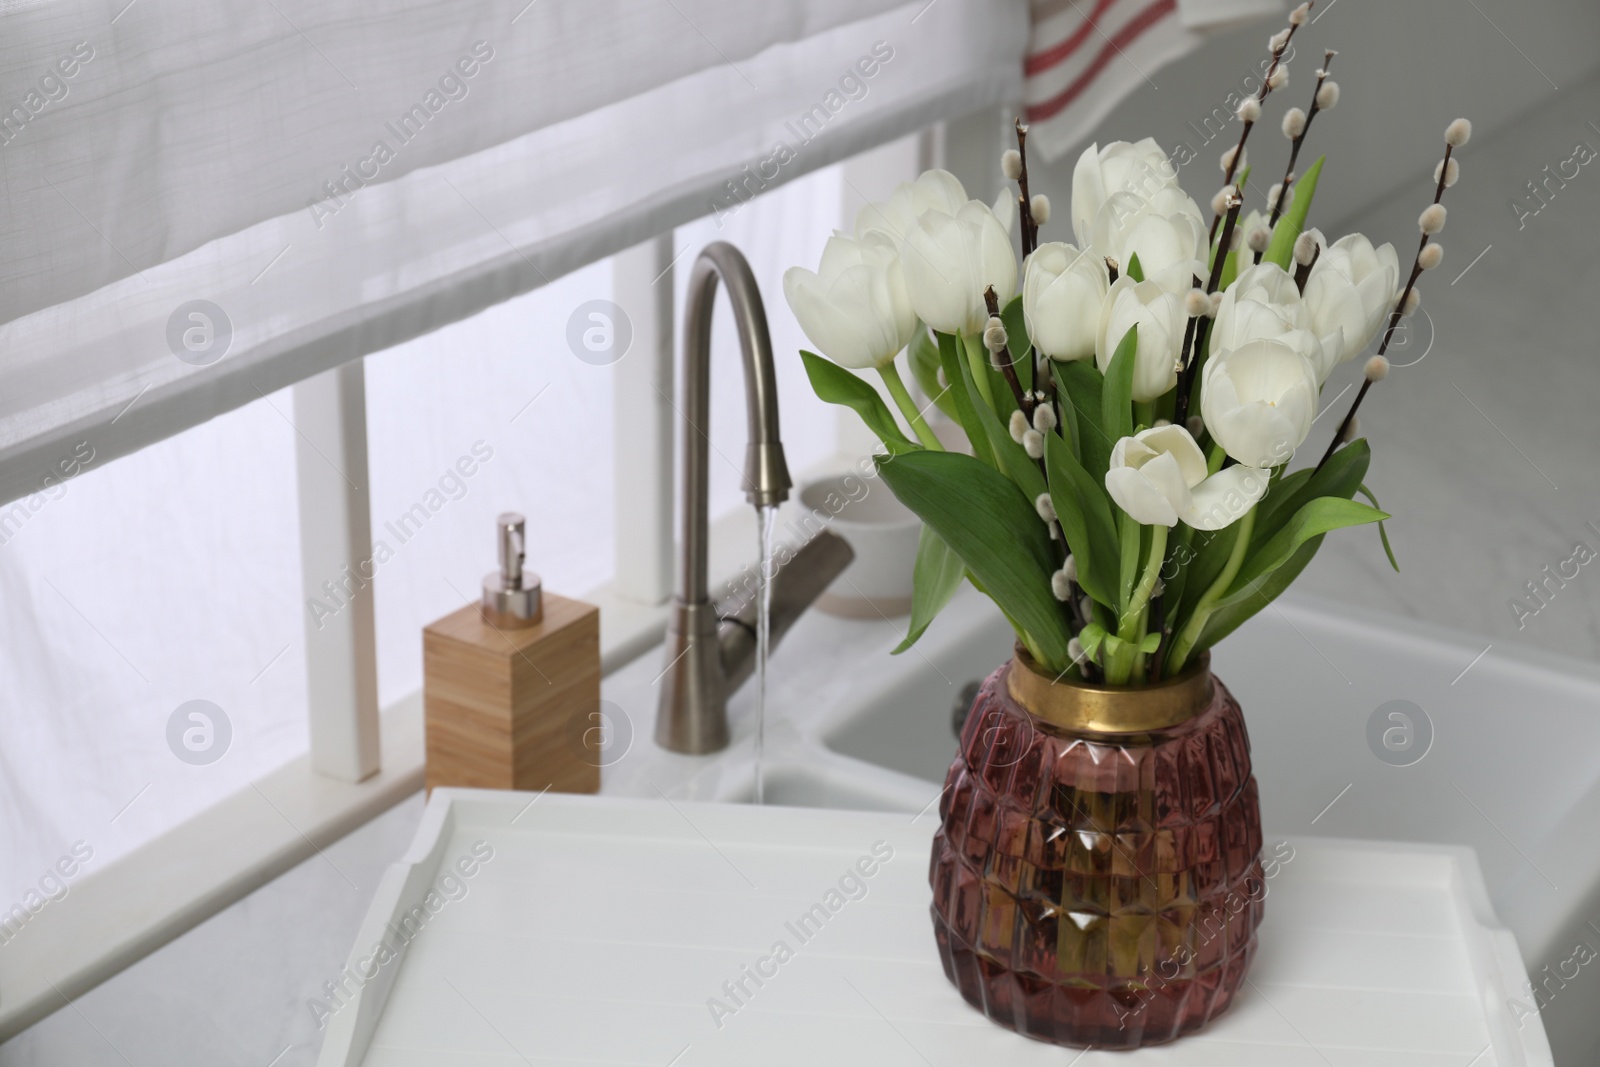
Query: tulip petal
[[1137, 496], [1176, 442], [1167, 476], [1223, 498]]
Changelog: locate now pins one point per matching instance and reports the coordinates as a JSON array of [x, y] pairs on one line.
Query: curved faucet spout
[[766, 476], [708, 653]]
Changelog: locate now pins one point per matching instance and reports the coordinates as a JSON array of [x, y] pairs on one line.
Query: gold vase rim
[[1082, 707]]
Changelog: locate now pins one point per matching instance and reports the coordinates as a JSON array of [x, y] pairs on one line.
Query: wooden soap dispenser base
[[511, 685]]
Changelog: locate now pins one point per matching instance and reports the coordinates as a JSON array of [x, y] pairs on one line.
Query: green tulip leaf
[[1236, 608], [1013, 458], [994, 529], [1135, 268], [1017, 342], [1084, 512], [1207, 553], [924, 357], [935, 579], [1116, 399], [1383, 535], [835, 385], [1080, 385], [1280, 249], [1092, 637], [1341, 476], [963, 396], [1314, 518]]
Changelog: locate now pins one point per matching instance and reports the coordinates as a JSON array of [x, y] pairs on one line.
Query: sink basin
[[1506, 740], [906, 723], [1503, 758], [826, 781]]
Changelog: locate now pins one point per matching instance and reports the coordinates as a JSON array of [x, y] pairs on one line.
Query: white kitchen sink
[[1510, 770]]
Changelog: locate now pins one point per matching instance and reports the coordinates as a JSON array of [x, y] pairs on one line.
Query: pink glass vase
[[1097, 876]]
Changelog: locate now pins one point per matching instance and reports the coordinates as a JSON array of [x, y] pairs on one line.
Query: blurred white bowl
[[883, 533]]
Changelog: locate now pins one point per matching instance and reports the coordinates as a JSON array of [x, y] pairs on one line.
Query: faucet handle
[[512, 597]]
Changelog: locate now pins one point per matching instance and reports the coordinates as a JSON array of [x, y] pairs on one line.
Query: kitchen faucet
[[710, 652]]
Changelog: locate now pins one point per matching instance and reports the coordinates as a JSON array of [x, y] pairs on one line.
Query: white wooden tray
[[596, 930]]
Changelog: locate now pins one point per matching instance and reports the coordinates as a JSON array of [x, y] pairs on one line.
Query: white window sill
[[169, 885]]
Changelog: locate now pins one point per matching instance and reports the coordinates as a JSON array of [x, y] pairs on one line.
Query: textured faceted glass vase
[[1097, 876]]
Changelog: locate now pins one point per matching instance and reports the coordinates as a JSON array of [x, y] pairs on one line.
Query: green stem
[[1133, 619], [978, 360], [908, 407], [1128, 563], [1144, 414], [1208, 601], [1215, 458]]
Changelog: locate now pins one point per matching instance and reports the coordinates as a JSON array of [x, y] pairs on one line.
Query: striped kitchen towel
[[1086, 55]]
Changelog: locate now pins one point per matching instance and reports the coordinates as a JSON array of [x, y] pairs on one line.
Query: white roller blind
[[211, 176]]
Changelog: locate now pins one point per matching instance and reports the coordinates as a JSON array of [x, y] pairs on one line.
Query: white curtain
[[301, 183]]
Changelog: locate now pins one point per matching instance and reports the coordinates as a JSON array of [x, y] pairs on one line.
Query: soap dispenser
[[511, 683]]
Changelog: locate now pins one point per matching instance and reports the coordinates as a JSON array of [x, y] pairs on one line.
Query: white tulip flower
[[950, 259], [1263, 303], [1258, 401], [1350, 292], [1161, 321], [934, 189], [854, 308], [1158, 476], [1062, 293], [1165, 230], [1142, 169]]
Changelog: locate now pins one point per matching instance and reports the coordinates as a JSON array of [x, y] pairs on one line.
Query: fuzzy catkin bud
[[1458, 133], [1216, 304], [1045, 507], [1413, 301], [1449, 169], [1033, 443], [1019, 426], [1431, 220], [1249, 109], [1195, 425], [1044, 418], [1228, 159], [1060, 587], [1258, 240], [1196, 303], [1070, 568], [1040, 208], [1011, 164], [1328, 96], [1278, 42], [1298, 16], [994, 335], [1279, 77], [1377, 369], [1430, 256], [1305, 249], [1086, 606], [1219, 203], [1075, 649], [1351, 430], [1294, 123]]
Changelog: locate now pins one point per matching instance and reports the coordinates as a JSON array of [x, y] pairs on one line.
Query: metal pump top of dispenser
[[511, 596]]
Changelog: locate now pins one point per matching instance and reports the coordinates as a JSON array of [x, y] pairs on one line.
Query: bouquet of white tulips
[[1132, 413]]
